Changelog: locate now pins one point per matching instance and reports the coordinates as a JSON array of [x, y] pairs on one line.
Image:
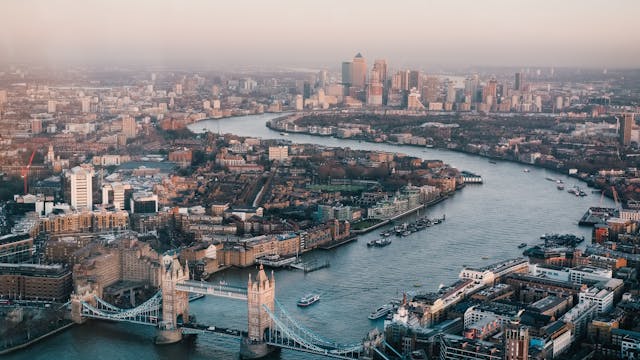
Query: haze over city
[[300, 33]]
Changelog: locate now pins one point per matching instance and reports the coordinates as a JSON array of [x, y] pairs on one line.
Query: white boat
[[380, 312], [308, 300]]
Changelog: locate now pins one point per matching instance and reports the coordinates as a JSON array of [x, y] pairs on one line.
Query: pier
[[310, 266]]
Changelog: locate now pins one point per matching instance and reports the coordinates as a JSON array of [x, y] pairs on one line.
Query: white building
[[81, 187], [279, 153], [601, 297], [589, 273]]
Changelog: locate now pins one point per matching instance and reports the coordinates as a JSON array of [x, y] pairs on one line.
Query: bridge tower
[[174, 303], [260, 293]]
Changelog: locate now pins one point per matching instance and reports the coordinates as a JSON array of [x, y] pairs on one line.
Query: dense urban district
[[108, 197]]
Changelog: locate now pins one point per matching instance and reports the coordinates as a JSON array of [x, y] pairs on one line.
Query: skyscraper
[[359, 71], [129, 128], [519, 81], [347, 68], [625, 129], [380, 66], [374, 89], [516, 341], [415, 79], [81, 186]]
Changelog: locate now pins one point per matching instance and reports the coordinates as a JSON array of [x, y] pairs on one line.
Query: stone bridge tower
[[174, 303], [260, 292]]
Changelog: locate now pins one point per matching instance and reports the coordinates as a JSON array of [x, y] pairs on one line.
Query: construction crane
[[25, 171]]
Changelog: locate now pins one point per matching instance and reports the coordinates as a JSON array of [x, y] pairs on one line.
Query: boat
[[284, 134], [380, 312], [526, 170], [550, 179], [485, 258], [406, 233], [308, 300], [379, 243], [417, 285], [522, 245], [560, 187], [492, 162]]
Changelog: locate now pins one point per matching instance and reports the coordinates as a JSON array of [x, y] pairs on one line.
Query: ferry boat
[[380, 312], [308, 300], [522, 245]]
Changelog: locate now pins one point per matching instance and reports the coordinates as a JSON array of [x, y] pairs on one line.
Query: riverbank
[[35, 340], [560, 171], [401, 215]]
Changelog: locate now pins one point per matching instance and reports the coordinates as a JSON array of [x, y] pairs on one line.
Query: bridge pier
[[168, 336], [255, 349]]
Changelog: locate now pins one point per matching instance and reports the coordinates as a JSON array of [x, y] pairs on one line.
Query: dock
[[310, 266], [597, 215], [275, 261]]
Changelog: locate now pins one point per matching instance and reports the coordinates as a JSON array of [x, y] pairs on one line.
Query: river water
[[485, 223]]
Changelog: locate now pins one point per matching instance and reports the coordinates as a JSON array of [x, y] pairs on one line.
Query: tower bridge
[[270, 326]]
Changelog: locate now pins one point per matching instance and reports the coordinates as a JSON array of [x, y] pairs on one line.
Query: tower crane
[[25, 171]]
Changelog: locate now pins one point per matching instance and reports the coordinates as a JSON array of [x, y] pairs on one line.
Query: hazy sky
[[587, 33]]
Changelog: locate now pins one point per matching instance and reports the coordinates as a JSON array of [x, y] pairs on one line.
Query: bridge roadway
[[194, 328], [205, 288]]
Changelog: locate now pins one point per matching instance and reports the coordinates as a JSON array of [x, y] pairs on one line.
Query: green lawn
[[364, 224]]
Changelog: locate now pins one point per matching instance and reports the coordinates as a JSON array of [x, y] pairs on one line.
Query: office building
[[518, 82], [359, 71], [35, 282], [81, 187]]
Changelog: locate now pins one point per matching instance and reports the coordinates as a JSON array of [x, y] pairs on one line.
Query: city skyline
[[593, 34]]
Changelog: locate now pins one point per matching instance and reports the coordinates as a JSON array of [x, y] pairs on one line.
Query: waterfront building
[[126, 260], [488, 275], [244, 252], [35, 282]]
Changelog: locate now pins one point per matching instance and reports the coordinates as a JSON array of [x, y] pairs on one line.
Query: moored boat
[[522, 245], [380, 312]]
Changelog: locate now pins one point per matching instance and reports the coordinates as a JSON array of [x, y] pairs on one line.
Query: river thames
[[484, 224]]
